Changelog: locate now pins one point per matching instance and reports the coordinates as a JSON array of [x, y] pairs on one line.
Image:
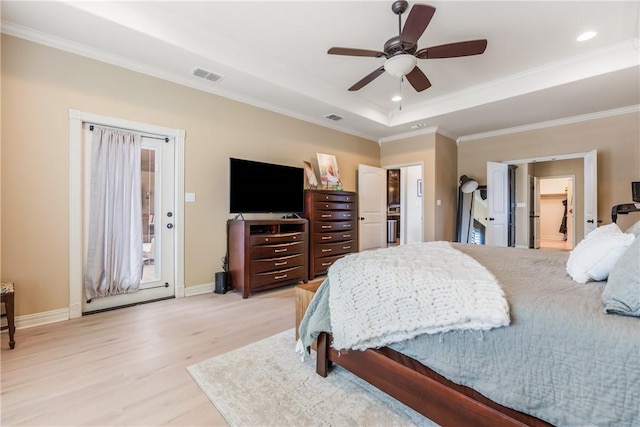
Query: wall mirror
[[472, 216]]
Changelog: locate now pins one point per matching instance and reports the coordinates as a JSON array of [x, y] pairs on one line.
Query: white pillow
[[595, 256], [605, 229], [634, 229]]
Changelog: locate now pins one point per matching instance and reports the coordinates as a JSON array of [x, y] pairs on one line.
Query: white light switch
[[190, 197], [438, 202]]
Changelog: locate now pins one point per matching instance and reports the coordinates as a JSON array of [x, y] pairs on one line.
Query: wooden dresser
[[266, 254], [333, 227]]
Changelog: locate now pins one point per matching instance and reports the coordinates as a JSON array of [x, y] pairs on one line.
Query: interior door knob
[[361, 218]]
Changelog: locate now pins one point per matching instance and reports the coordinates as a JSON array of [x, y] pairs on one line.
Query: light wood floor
[[127, 367]]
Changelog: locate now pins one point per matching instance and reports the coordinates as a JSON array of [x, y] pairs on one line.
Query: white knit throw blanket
[[389, 295]]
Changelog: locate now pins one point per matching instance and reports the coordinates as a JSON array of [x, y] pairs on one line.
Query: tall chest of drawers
[[333, 227], [265, 254]]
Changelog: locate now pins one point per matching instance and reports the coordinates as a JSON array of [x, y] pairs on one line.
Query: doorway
[[375, 205], [157, 170], [556, 207], [172, 254], [404, 205]]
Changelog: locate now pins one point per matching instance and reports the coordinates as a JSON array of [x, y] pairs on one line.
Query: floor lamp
[[468, 185]]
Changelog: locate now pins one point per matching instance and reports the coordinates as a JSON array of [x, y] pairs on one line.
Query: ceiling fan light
[[400, 65], [396, 98]]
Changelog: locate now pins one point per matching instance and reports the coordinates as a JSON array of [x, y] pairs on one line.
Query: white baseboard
[[38, 319], [205, 288]]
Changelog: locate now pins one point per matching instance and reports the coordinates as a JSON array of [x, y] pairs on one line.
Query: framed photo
[[311, 175], [329, 173]]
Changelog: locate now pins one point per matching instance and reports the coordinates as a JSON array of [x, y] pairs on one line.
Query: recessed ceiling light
[[396, 98], [586, 36]]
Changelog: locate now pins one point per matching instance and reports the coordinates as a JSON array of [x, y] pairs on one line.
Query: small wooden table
[[304, 295]]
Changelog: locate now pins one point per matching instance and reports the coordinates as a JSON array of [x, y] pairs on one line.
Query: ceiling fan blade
[[355, 52], [416, 23], [453, 50], [368, 79], [418, 80]]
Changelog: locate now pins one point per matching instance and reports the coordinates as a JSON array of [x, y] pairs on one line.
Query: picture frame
[[329, 172], [312, 180]]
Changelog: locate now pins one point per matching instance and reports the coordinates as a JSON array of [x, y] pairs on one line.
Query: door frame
[[590, 205], [76, 119], [570, 208], [403, 200]]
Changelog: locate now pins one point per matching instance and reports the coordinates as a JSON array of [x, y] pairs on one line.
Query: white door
[[590, 192], [158, 208], [372, 207], [411, 207], [497, 204]]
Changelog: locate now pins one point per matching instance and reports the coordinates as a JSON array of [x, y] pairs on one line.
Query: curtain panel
[[114, 249]]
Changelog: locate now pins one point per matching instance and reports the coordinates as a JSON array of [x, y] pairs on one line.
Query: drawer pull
[[346, 225], [326, 237], [326, 226], [280, 277], [347, 215], [280, 250], [326, 264], [326, 250], [346, 247], [277, 264], [346, 235], [326, 216]]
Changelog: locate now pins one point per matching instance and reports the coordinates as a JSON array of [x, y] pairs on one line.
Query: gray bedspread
[[562, 359]]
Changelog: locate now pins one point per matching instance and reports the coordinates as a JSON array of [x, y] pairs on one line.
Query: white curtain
[[114, 251]]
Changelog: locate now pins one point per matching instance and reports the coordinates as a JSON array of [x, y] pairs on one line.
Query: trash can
[[392, 230]]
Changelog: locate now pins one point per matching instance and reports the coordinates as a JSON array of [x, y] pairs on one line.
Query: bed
[[561, 360]]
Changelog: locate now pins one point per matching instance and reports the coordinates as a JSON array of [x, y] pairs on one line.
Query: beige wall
[[41, 84], [437, 154], [616, 138], [446, 188]]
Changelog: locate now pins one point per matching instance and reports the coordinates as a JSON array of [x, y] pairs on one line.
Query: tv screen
[[635, 191], [256, 187]]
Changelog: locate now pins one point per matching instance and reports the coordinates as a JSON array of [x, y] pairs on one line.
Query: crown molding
[[66, 45], [550, 123]]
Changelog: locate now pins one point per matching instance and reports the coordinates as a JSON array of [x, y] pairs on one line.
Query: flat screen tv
[[256, 187]]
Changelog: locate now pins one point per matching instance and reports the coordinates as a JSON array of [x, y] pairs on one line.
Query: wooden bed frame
[[420, 388]]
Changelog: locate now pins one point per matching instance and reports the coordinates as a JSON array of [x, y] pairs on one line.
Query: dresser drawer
[[271, 277], [335, 215], [274, 264], [320, 197], [333, 236], [319, 206], [337, 248], [276, 251], [323, 227], [321, 265], [270, 239]]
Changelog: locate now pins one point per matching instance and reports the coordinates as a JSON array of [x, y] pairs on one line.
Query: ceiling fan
[[402, 51]]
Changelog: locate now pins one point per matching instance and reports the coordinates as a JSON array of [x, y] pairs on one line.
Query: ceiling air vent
[[204, 74], [333, 117]]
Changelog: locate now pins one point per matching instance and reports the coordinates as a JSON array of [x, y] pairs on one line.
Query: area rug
[[266, 384]]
